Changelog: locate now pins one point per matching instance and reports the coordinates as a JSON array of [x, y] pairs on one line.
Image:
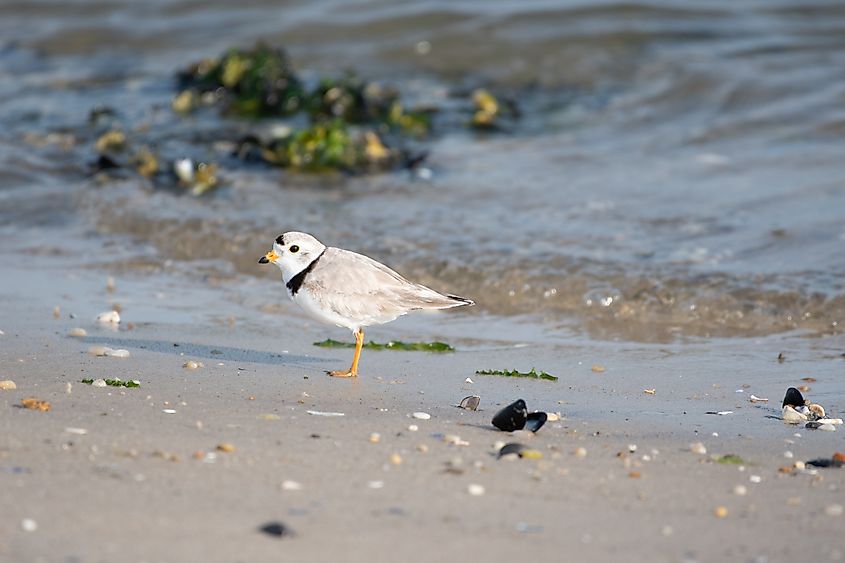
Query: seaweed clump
[[259, 82]]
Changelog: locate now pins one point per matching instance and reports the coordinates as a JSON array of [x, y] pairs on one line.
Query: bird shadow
[[219, 353]]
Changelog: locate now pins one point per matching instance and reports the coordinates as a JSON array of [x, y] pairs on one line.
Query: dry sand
[[142, 484]]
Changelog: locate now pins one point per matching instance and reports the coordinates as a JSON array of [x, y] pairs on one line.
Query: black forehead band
[[280, 240]]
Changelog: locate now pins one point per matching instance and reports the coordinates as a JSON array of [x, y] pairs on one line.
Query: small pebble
[[7, 385], [553, 416], [375, 438], [396, 459], [99, 382], [454, 440], [667, 531], [80, 431], [720, 512], [29, 525], [191, 364], [468, 380], [755, 478], [77, 332], [580, 452], [375, 484], [834, 510], [632, 448], [413, 428], [421, 415], [422, 448], [68, 387], [697, 448], [98, 350], [598, 368], [289, 485], [788, 455], [649, 391], [475, 489], [165, 411], [269, 416], [225, 447], [740, 490]]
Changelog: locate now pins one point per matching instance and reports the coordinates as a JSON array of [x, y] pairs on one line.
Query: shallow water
[[678, 172]]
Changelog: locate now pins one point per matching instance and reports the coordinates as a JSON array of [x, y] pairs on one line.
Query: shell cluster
[[796, 410]]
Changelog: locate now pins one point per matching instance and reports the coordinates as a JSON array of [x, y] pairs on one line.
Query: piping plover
[[343, 288]]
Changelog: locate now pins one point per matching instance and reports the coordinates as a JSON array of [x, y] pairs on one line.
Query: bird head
[[293, 252]]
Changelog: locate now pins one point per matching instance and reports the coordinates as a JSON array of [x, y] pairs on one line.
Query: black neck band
[[296, 281]]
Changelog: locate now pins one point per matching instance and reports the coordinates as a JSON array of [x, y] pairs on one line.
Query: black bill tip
[[263, 260]]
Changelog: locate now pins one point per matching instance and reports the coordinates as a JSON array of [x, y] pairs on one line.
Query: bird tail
[[460, 301]]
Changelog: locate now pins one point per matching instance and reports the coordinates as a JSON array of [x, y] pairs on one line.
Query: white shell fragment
[[80, 431], [119, 353], [168, 411], [698, 448], [99, 382], [792, 416], [109, 318], [184, 170], [475, 489], [421, 415], [756, 399], [77, 332], [289, 485], [7, 385], [191, 364], [321, 413], [836, 421], [29, 525]]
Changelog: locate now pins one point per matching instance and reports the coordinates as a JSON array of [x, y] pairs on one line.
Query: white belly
[[312, 308]]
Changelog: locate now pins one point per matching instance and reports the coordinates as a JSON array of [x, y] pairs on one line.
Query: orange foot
[[344, 373]]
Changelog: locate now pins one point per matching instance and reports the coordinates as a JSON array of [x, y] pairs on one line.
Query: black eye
[[294, 248]]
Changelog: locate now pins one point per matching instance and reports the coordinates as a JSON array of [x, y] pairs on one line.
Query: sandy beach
[[643, 200], [194, 462]]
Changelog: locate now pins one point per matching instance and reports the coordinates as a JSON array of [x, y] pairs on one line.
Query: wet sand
[[146, 485]]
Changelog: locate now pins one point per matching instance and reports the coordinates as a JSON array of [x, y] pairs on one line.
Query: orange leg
[[353, 370]]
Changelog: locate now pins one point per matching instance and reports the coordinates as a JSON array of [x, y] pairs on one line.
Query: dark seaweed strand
[[296, 281]]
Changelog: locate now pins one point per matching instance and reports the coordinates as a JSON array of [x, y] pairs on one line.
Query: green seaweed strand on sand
[[533, 374], [730, 459], [392, 345], [114, 382]]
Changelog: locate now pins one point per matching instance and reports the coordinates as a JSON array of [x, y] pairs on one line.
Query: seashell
[[836, 421], [99, 382], [816, 409], [184, 170], [120, 353], [826, 462], [793, 398], [512, 417], [421, 415], [520, 450], [8, 385], [470, 403], [819, 426], [792, 416], [698, 448], [77, 332], [109, 318], [535, 421]]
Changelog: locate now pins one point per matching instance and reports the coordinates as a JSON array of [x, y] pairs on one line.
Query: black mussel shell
[[826, 462], [512, 448], [520, 450], [512, 417], [793, 397], [470, 403], [275, 529], [535, 421]]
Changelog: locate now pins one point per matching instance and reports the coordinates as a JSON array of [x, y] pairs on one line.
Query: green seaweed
[[729, 459], [533, 374], [258, 82], [115, 382], [392, 345]]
